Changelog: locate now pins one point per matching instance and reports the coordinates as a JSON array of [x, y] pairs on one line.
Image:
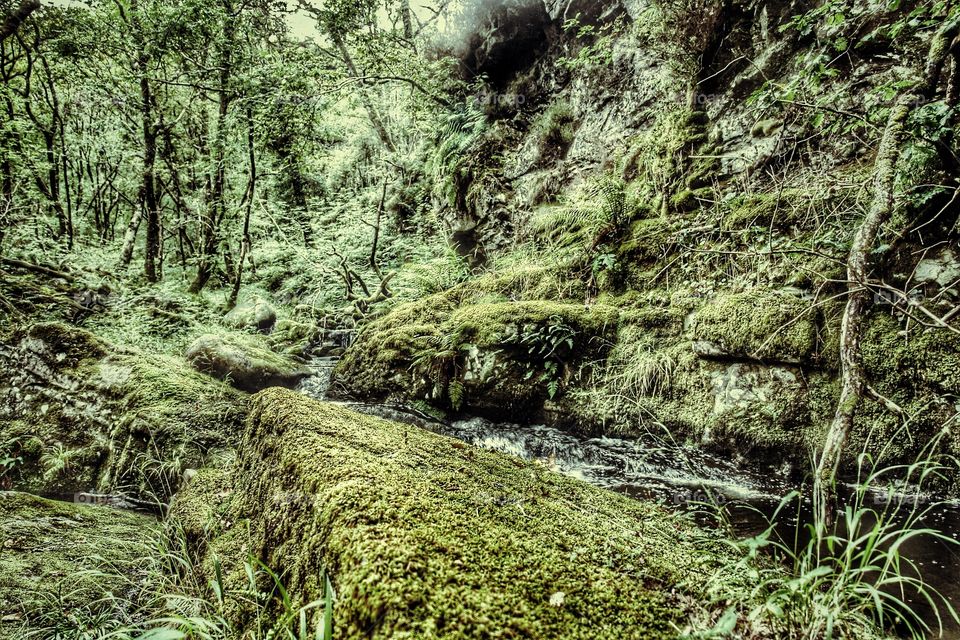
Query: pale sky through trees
[[301, 25]]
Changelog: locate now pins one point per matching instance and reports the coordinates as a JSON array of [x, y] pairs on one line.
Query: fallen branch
[[36, 268]]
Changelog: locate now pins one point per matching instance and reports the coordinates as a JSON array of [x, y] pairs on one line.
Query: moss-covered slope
[[60, 562], [79, 414], [424, 537]]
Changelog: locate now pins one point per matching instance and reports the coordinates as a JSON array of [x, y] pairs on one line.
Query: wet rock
[[244, 364], [756, 406], [253, 313], [741, 386], [499, 349], [435, 537], [511, 36]]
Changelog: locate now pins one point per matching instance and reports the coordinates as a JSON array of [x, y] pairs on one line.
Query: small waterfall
[[318, 384], [644, 467]]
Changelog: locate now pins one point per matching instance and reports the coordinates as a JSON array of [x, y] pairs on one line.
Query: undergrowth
[[162, 596]]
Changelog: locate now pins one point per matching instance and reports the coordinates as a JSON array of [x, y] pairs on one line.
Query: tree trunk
[[217, 206], [13, 21], [853, 377], [372, 112], [148, 181], [245, 241], [130, 237]]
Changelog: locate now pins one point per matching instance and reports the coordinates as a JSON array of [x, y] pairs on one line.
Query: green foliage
[[851, 578], [682, 29], [460, 131], [424, 489], [545, 347], [759, 325], [10, 458], [555, 129], [593, 213], [595, 43]]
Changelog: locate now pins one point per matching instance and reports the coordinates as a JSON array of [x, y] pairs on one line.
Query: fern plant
[[593, 212], [460, 130], [440, 362], [543, 345]]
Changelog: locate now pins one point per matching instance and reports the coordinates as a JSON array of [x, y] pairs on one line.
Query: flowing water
[[680, 477]]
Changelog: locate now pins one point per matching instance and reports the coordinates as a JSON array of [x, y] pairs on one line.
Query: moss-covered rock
[[78, 414], [758, 325], [60, 563], [496, 357], [253, 313], [424, 537], [243, 363]]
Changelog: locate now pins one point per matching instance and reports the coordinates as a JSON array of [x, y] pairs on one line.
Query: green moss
[[691, 199], [648, 241], [424, 537], [60, 563], [293, 337], [759, 324], [782, 210], [169, 417], [922, 356], [99, 416], [703, 172], [70, 344], [379, 364], [555, 128], [698, 119], [765, 128]]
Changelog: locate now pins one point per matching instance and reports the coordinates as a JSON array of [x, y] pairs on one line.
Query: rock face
[[246, 366], [70, 554], [253, 313], [756, 325], [942, 270], [422, 536]]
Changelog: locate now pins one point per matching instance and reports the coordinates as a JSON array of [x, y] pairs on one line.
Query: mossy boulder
[[761, 325], [243, 363], [78, 414], [496, 357], [60, 563], [253, 313], [425, 537]]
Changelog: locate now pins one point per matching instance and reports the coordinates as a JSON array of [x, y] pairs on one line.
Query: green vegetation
[[850, 578], [686, 222], [452, 537]]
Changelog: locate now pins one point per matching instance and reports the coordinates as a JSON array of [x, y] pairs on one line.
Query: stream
[[679, 477]]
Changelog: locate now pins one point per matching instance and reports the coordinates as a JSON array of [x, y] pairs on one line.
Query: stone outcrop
[[423, 536]]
